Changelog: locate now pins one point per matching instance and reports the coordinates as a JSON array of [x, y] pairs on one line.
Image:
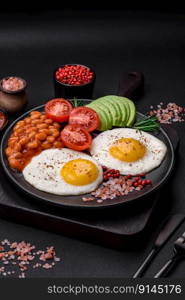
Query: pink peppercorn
[[74, 75], [148, 181]]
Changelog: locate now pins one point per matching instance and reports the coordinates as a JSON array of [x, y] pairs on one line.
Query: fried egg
[[63, 172], [128, 150]]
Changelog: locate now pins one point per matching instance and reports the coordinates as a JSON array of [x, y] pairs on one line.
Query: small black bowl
[[83, 91]]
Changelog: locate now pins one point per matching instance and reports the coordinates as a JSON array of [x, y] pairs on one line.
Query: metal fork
[[179, 254]]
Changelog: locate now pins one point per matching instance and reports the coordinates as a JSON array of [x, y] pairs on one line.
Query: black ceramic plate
[[158, 176]]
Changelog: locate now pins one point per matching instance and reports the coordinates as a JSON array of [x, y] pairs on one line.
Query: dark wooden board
[[115, 228]]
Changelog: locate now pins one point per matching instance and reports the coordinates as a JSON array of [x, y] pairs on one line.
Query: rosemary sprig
[[77, 102], [147, 124]]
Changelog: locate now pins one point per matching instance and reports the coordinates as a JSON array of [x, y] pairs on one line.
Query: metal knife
[[167, 229]]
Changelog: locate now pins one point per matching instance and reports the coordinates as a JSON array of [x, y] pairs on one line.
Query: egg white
[[155, 151], [43, 172]]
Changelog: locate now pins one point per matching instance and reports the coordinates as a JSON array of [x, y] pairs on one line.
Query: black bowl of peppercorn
[[74, 81]]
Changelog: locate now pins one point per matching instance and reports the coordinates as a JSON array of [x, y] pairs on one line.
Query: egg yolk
[[127, 149], [79, 172]]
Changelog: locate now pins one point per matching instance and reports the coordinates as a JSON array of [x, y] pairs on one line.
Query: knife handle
[[146, 263], [167, 267], [131, 85]]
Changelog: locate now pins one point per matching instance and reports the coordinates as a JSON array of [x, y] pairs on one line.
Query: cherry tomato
[[85, 117], [76, 137], [58, 109]]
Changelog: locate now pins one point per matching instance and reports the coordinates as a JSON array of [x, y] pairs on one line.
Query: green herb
[[77, 102], [147, 124]]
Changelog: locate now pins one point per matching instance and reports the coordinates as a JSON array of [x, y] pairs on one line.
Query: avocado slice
[[115, 111], [106, 110], [103, 117], [113, 108], [123, 112], [132, 111], [127, 110]]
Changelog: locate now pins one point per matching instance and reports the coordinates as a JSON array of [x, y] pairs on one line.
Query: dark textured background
[[111, 41]]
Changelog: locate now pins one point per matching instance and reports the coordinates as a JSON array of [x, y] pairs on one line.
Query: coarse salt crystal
[[169, 114]]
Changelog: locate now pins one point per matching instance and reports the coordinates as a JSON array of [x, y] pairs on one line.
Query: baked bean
[[43, 117], [20, 130], [58, 144], [17, 147], [11, 144], [24, 141], [27, 126], [16, 155], [48, 121], [17, 134], [50, 139], [32, 145], [35, 122], [46, 145], [42, 126], [34, 116], [56, 125], [17, 126], [51, 130], [35, 113], [30, 130], [46, 131], [27, 120], [30, 136], [41, 136], [12, 140], [20, 123], [15, 164], [29, 152], [8, 151], [55, 133], [33, 126]]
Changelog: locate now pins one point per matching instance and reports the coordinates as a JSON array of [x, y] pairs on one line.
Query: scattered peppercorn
[[108, 173], [142, 175], [117, 185], [137, 180]]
